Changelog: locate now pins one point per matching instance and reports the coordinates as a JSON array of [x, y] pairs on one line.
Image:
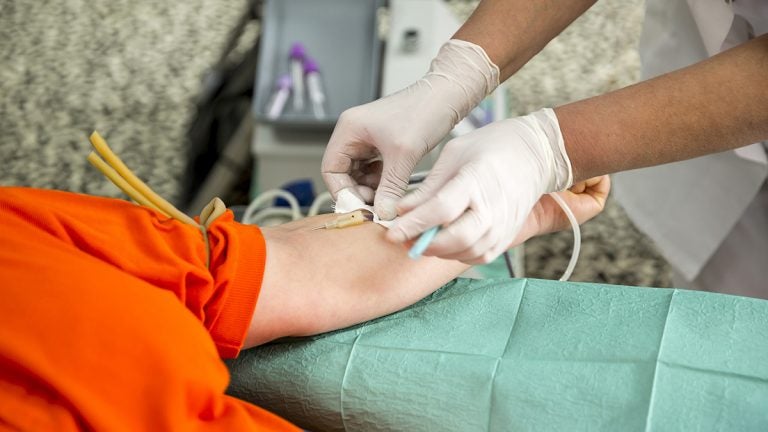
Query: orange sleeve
[[110, 319]]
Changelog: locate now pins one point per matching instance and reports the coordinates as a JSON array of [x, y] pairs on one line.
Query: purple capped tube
[[279, 98], [314, 87], [297, 56]]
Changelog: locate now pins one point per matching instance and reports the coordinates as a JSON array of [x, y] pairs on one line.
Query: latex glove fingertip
[[365, 193], [385, 207], [395, 234]]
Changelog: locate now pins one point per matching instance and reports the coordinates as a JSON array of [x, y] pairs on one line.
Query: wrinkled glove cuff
[[562, 172], [469, 70]]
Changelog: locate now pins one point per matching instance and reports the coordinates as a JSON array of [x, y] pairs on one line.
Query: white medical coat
[[689, 208]]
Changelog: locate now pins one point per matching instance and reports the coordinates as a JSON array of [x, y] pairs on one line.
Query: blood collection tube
[[279, 98], [314, 87], [297, 57]]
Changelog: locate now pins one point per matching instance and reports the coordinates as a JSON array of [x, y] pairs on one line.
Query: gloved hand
[[400, 129], [586, 200], [484, 185]]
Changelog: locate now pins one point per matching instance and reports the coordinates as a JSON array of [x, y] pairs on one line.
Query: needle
[[356, 217], [423, 242]]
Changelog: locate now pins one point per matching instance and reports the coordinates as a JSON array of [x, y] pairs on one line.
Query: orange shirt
[[111, 321]]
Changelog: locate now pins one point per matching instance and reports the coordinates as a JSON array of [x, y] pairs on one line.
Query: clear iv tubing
[[317, 204], [255, 214], [576, 236], [420, 176]]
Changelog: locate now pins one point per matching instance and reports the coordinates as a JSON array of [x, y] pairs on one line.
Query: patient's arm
[[322, 280]]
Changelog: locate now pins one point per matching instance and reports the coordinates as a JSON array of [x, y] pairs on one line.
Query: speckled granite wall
[[131, 69]]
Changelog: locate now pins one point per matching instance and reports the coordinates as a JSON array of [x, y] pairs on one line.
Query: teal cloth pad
[[527, 355]]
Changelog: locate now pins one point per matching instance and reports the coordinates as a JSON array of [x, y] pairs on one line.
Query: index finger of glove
[[444, 207], [338, 166]]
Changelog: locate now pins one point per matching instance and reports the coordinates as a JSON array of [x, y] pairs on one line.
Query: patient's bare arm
[[322, 280]]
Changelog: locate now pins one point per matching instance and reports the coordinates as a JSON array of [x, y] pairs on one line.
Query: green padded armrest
[[527, 355]]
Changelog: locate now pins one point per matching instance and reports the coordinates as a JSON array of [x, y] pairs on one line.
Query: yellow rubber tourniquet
[[119, 174]]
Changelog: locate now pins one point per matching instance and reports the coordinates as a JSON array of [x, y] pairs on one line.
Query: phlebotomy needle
[[423, 242], [356, 217]]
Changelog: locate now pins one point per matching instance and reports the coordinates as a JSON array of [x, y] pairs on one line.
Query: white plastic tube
[[317, 204], [277, 102], [297, 56], [576, 236], [255, 212], [316, 94], [314, 87]]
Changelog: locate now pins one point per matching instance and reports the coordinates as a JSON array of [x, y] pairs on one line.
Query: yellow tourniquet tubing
[[120, 182], [117, 172], [159, 203]]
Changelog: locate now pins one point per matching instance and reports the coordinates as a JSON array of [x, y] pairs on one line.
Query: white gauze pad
[[347, 202]]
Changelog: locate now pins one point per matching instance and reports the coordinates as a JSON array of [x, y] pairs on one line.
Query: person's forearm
[[322, 280], [712, 106], [512, 31]]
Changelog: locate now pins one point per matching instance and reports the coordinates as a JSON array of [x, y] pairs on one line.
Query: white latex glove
[[484, 185], [400, 129]]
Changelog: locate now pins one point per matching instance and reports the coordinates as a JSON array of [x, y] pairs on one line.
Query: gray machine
[[347, 38]]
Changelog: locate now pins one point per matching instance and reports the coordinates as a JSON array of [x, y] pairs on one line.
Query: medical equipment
[[116, 171], [314, 87], [343, 36], [351, 65], [576, 235], [423, 242], [426, 237], [320, 201], [257, 214], [280, 97], [260, 212], [345, 220], [297, 56]]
